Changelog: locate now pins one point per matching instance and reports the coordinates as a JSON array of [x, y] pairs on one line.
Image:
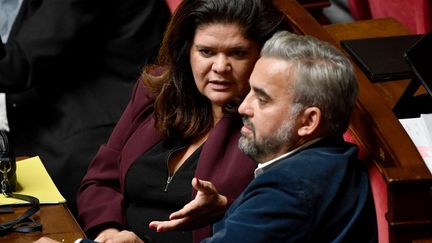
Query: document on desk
[[33, 179], [420, 131]]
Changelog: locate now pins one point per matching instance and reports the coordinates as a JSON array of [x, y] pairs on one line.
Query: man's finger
[[163, 226], [185, 211]]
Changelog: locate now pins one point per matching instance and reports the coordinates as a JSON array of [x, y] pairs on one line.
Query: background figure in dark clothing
[[67, 69]]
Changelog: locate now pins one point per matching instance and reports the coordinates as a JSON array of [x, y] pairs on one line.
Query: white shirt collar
[[260, 169]]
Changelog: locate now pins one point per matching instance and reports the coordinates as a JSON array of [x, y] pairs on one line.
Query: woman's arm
[[100, 197]]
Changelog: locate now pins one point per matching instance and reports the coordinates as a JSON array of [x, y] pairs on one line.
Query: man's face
[[269, 128]]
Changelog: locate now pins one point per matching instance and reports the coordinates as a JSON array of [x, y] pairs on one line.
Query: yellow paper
[[34, 180]]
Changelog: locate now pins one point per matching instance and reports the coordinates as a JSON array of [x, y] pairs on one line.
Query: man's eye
[[262, 101], [205, 52]]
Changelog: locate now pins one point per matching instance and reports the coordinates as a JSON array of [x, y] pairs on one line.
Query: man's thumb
[[202, 186]]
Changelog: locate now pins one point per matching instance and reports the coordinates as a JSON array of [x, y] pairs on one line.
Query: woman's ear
[[310, 121]]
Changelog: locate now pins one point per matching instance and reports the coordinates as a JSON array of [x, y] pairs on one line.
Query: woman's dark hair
[[180, 109]]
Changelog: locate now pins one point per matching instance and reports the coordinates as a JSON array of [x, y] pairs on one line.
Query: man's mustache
[[248, 123]]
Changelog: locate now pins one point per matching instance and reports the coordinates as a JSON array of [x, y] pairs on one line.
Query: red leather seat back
[[379, 189], [173, 4], [414, 14]]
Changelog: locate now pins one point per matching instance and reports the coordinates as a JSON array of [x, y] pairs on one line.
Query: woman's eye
[[205, 52], [239, 53]]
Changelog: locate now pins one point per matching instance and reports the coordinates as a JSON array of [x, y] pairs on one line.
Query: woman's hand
[[207, 207], [113, 235]]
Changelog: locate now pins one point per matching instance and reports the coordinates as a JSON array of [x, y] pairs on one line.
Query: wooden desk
[[375, 126], [423, 241], [315, 8], [409, 182], [58, 224]]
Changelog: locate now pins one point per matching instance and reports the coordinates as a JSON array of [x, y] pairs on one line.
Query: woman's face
[[222, 59]]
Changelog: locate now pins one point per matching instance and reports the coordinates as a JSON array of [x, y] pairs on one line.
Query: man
[[68, 68], [309, 185]]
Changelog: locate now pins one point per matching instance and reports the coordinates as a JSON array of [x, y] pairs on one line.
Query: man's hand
[[207, 207], [112, 235]]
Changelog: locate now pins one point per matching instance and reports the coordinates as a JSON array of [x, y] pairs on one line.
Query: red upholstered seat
[[173, 4], [414, 14], [379, 189]]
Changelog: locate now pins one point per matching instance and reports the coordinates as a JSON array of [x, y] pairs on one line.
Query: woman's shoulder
[[141, 97]]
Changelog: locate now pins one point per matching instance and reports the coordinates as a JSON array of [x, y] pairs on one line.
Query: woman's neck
[[217, 114]]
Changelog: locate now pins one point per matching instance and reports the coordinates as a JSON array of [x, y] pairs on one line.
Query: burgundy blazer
[[100, 198]]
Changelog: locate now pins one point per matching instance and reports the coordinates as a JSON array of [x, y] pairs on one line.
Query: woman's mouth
[[220, 85]]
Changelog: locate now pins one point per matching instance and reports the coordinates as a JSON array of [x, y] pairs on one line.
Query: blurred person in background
[[68, 68]]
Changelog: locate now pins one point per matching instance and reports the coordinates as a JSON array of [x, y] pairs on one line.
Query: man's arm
[[267, 211]]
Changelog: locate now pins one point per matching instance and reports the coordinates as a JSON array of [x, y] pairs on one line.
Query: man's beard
[[266, 148]]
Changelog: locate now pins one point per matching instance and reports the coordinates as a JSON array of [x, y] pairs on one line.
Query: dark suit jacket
[[100, 199], [69, 68], [319, 194]]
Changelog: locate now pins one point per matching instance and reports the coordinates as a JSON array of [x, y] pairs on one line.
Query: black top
[[149, 198]]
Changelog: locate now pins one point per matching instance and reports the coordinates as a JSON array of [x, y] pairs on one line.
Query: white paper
[[427, 122], [419, 130]]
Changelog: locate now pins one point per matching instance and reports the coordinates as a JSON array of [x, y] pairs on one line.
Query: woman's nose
[[221, 64]]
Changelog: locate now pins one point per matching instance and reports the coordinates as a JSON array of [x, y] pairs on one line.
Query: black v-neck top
[[152, 194]]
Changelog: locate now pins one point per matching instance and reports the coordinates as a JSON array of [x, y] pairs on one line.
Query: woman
[[181, 123]]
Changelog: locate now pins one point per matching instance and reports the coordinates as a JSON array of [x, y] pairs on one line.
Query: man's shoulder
[[314, 161], [325, 150]]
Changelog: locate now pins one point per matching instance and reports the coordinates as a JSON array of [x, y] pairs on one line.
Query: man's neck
[[261, 166]]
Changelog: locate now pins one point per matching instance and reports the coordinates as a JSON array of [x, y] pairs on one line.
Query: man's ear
[[310, 121]]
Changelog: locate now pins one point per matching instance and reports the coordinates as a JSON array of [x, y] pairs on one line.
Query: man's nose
[[244, 108]]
